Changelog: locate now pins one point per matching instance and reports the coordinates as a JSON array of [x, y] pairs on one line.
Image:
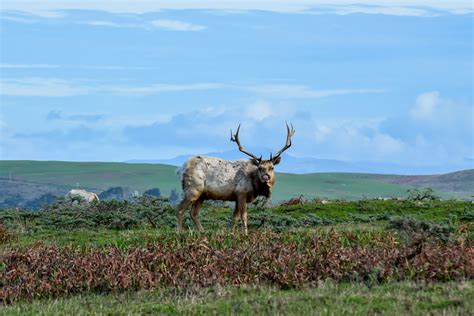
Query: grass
[[329, 298], [362, 224], [127, 239], [88, 238]]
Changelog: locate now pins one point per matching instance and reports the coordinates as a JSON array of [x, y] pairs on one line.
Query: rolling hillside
[[33, 178]]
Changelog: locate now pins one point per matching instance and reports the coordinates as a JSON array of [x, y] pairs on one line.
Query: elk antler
[[235, 138], [290, 133]]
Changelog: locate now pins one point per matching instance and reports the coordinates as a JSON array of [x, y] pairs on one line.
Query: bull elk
[[209, 178]]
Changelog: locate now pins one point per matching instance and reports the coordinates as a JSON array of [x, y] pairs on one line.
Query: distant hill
[[460, 181], [95, 176], [31, 179]]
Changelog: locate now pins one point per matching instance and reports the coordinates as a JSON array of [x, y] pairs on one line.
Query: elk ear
[[276, 161]]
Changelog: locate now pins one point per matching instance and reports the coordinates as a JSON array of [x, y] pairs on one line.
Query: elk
[[210, 178], [88, 197]]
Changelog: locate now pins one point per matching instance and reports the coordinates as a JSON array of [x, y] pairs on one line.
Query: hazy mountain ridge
[[291, 164]]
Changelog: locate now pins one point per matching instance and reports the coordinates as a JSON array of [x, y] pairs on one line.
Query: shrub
[[426, 194], [416, 231]]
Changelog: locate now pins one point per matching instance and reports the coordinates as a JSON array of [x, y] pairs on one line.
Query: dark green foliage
[[174, 197], [468, 215], [47, 198], [111, 214], [426, 194], [12, 201], [417, 231], [116, 193], [153, 192]]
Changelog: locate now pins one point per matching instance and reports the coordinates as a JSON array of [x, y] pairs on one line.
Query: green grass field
[[362, 257], [99, 176]]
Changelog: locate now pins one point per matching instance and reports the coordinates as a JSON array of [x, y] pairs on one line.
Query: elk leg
[[195, 213], [180, 213], [243, 214], [235, 215]]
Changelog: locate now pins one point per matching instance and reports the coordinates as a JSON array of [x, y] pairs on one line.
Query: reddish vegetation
[[293, 201], [5, 234], [263, 258]]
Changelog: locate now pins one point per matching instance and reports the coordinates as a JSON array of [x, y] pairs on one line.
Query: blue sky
[[112, 81]]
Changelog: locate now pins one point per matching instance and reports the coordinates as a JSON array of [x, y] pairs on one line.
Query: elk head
[[265, 168]]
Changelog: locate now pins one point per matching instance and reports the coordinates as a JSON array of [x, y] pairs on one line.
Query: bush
[[426, 194], [416, 231]]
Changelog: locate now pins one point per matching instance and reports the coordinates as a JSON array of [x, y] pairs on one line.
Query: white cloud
[[425, 105], [393, 7], [104, 23], [435, 112], [212, 111], [52, 66], [350, 139], [163, 24], [259, 110], [321, 133], [52, 87], [385, 10], [175, 25], [387, 144], [300, 91], [160, 88], [18, 19], [28, 66], [47, 87], [435, 129]]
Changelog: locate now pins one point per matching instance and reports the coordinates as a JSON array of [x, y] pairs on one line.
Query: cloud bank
[[53, 9]]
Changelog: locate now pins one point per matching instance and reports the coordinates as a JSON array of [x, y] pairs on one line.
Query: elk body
[[242, 181]]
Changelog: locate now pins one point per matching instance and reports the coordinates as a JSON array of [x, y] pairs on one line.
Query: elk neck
[[261, 188]]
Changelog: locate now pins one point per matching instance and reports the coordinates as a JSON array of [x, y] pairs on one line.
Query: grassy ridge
[[93, 175], [100, 176], [335, 185]]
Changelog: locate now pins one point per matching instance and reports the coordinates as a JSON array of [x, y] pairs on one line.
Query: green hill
[[30, 178]]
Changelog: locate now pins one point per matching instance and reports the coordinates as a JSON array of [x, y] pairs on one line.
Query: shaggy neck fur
[[262, 188]]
